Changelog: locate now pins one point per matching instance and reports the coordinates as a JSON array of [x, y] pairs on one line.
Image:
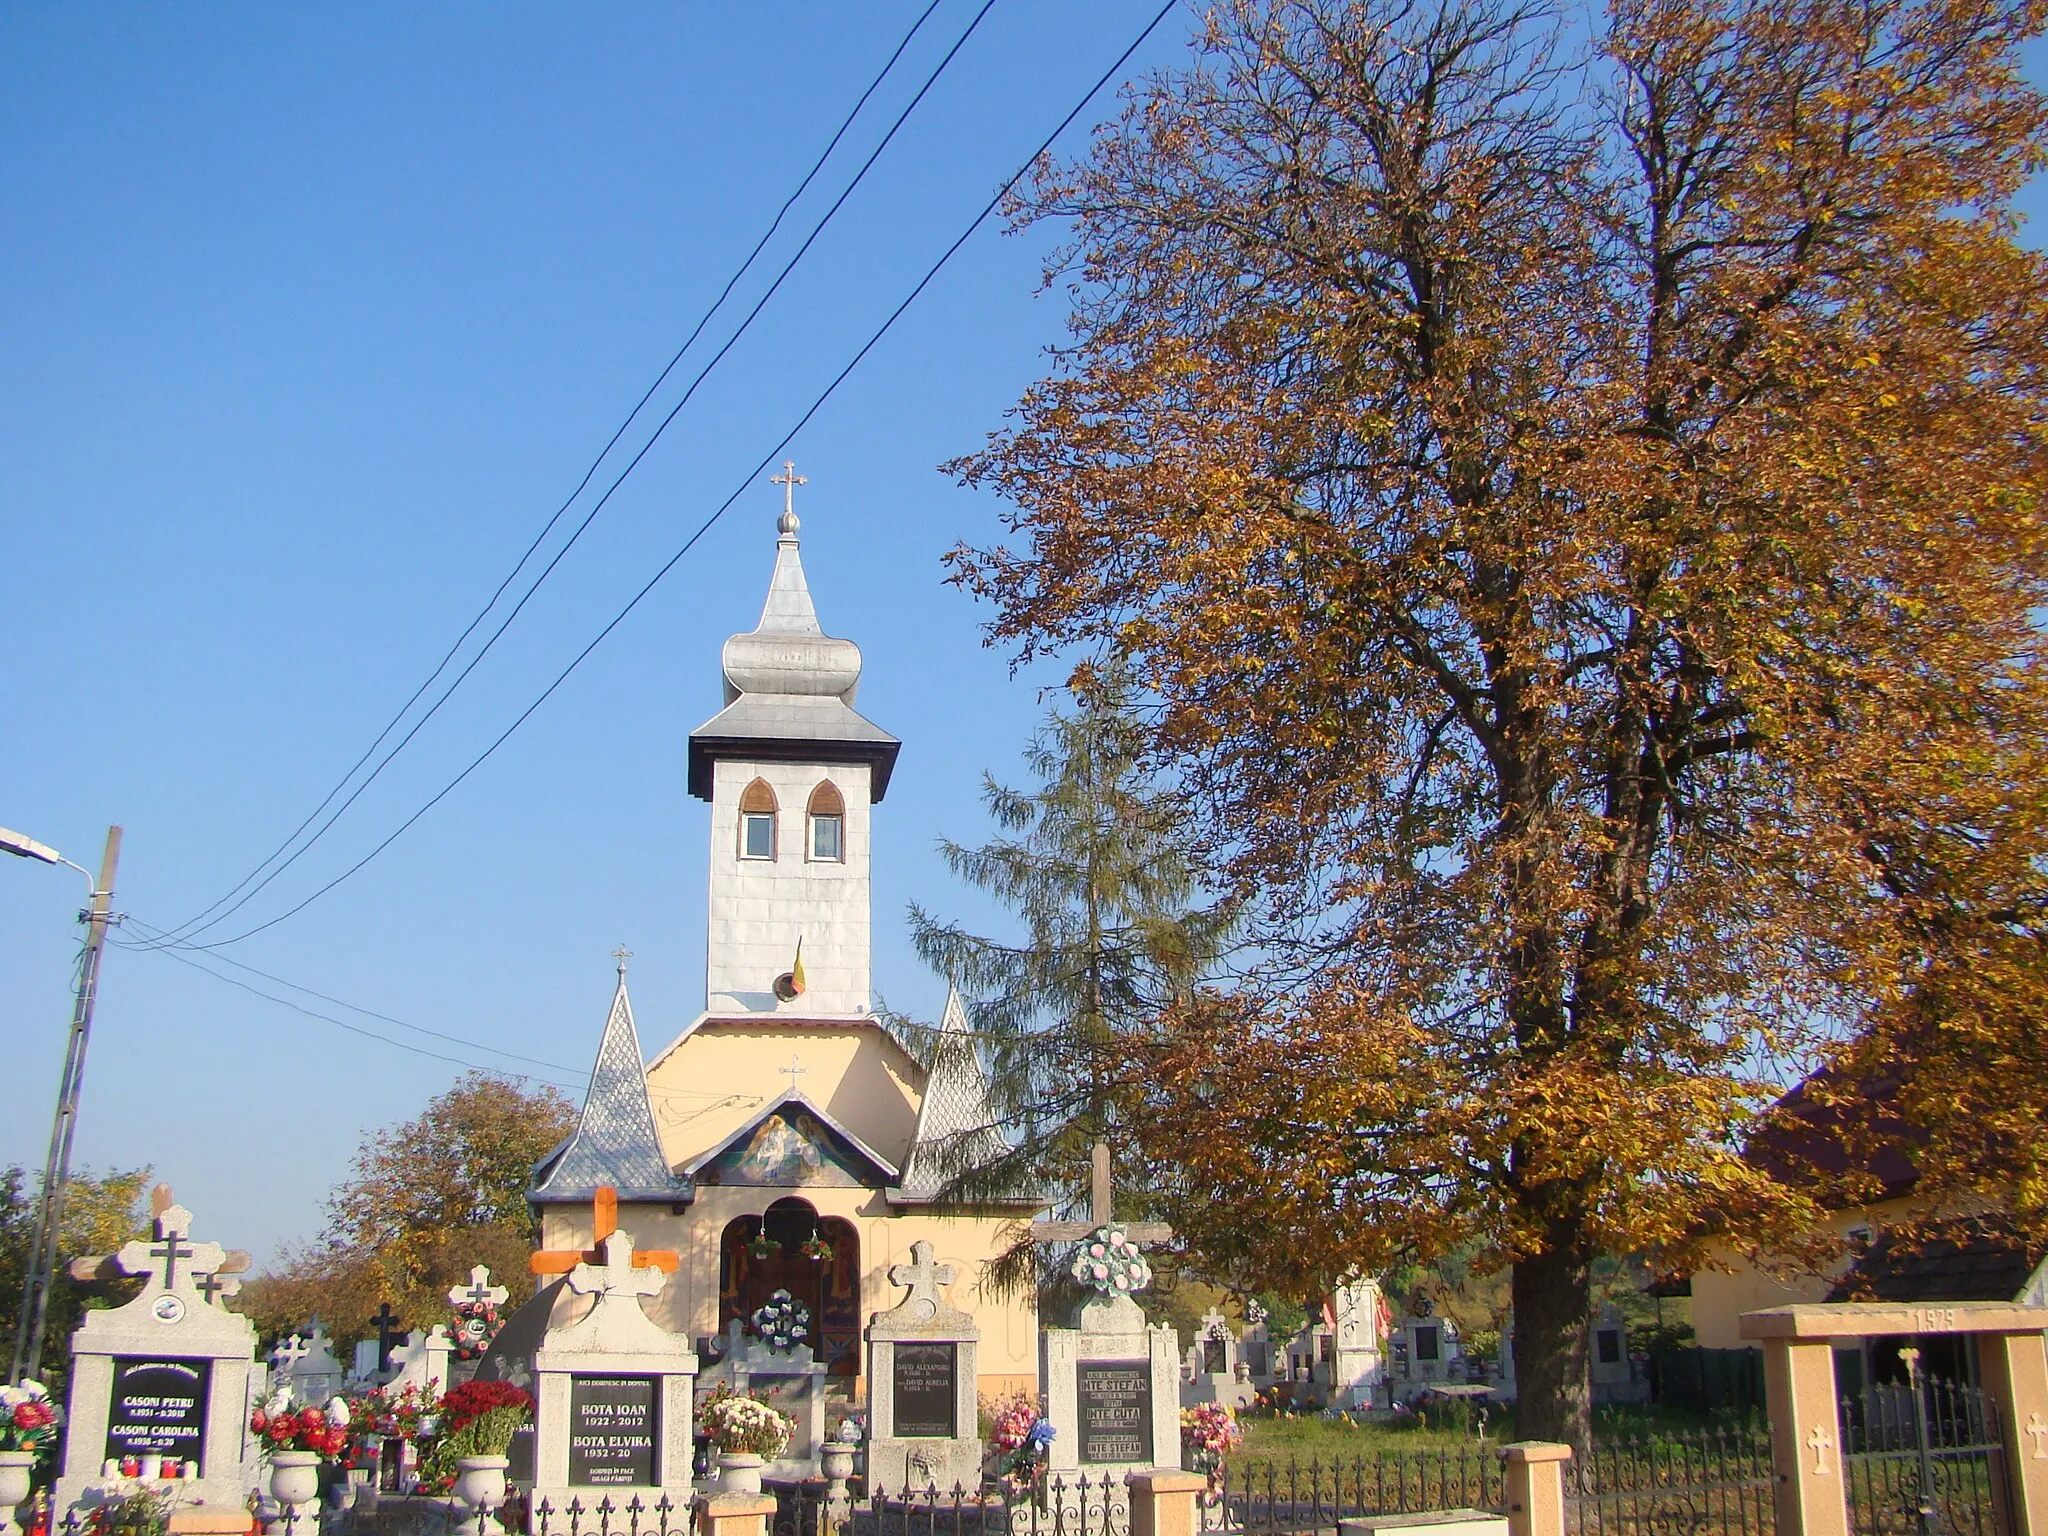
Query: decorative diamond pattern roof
[[615, 1142], [956, 1129]]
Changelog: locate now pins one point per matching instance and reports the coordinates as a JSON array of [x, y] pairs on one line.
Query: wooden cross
[[386, 1324], [1099, 1213], [789, 480], [795, 1070], [604, 1221], [2039, 1430], [1820, 1442]]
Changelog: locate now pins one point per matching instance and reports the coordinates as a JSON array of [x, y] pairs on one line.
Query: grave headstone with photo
[[1111, 1383], [923, 1428], [615, 1390], [164, 1379]]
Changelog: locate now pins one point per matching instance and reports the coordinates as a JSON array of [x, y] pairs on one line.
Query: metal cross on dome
[[789, 480]]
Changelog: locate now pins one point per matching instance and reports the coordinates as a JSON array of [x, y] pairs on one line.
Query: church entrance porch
[[790, 1247]]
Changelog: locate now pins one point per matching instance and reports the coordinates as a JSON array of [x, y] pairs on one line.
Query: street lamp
[[42, 1258]]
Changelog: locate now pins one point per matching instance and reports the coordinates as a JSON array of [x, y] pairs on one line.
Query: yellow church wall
[[722, 1074], [1737, 1284], [1008, 1353]]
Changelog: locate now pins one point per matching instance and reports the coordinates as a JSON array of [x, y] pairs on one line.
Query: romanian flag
[[796, 972]]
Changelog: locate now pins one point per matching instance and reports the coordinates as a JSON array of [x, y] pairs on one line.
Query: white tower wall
[[759, 908]]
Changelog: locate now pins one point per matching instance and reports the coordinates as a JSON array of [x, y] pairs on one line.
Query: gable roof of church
[[615, 1142], [879, 1170], [789, 689], [956, 1129]]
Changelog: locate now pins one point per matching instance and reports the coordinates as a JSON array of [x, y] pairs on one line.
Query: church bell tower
[[791, 772]]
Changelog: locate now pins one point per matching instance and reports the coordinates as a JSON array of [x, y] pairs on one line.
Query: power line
[[732, 282], [174, 953], [766, 459]]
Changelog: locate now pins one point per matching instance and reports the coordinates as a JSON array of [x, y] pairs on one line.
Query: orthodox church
[[787, 1138]]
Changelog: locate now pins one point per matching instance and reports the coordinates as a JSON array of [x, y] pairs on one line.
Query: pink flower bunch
[[1207, 1434]]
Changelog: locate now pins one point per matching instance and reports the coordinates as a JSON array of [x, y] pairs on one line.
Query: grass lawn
[[1315, 1438]]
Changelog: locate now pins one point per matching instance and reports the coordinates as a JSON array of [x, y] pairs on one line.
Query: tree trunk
[[1553, 1300]]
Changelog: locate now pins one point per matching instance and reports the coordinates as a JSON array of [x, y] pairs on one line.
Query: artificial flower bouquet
[[281, 1427], [1021, 1436], [412, 1412], [28, 1419], [739, 1423], [1207, 1434], [782, 1322]]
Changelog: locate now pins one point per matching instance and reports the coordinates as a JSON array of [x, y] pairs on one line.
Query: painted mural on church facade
[[790, 1149]]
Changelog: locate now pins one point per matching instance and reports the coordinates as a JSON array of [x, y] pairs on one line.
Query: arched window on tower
[[757, 821], [827, 824]]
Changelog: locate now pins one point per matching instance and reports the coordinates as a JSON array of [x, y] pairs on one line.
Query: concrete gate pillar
[[1799, 1392]]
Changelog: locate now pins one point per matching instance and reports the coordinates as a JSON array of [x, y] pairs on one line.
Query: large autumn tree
[[1551, 482], [425, 1200]]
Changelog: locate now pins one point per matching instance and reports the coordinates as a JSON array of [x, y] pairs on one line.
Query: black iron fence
[[1270, 1498], [1693, 1483], [1923, 1457]]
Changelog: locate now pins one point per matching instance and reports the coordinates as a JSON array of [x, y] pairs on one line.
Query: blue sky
[[309, 317]]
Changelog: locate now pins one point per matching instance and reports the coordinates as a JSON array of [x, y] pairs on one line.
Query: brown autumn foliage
[[1579, 519], [427, 1199]]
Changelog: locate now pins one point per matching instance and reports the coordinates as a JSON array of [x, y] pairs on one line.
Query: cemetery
[[773, 1310]]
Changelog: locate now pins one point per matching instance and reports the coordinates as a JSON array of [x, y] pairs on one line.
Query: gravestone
[[792, 1381], [422, 1361], [1424, 1349], [923, 1429], [1263, 1364], [614, 1390], [305, 1367], [1357, 1360], [167, 1375], [1111, 1382], [1215, 1370]]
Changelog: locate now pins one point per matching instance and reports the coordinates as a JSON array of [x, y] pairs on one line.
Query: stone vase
[[739, 1472], [295, 1484], [480, 1484], [15, 1467]]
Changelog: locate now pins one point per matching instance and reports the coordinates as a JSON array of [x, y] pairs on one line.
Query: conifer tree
[[1099, 866]]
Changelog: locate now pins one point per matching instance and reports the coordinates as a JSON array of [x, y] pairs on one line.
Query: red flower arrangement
[[308, 1429], [473, 1399]]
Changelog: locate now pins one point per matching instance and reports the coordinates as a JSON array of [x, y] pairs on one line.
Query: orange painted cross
[[604, 1221]]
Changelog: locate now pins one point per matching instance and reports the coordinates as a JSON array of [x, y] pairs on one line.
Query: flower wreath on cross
[[1111, 1263], [782, 1322], [476, 1324]]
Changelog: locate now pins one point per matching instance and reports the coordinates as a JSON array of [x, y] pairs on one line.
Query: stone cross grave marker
[[480, 1291], [167, 1376], [1112, 1383], [922, 1373], [615, 1389]]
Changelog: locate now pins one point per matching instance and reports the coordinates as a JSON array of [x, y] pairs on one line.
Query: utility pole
[[42, 1259]]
